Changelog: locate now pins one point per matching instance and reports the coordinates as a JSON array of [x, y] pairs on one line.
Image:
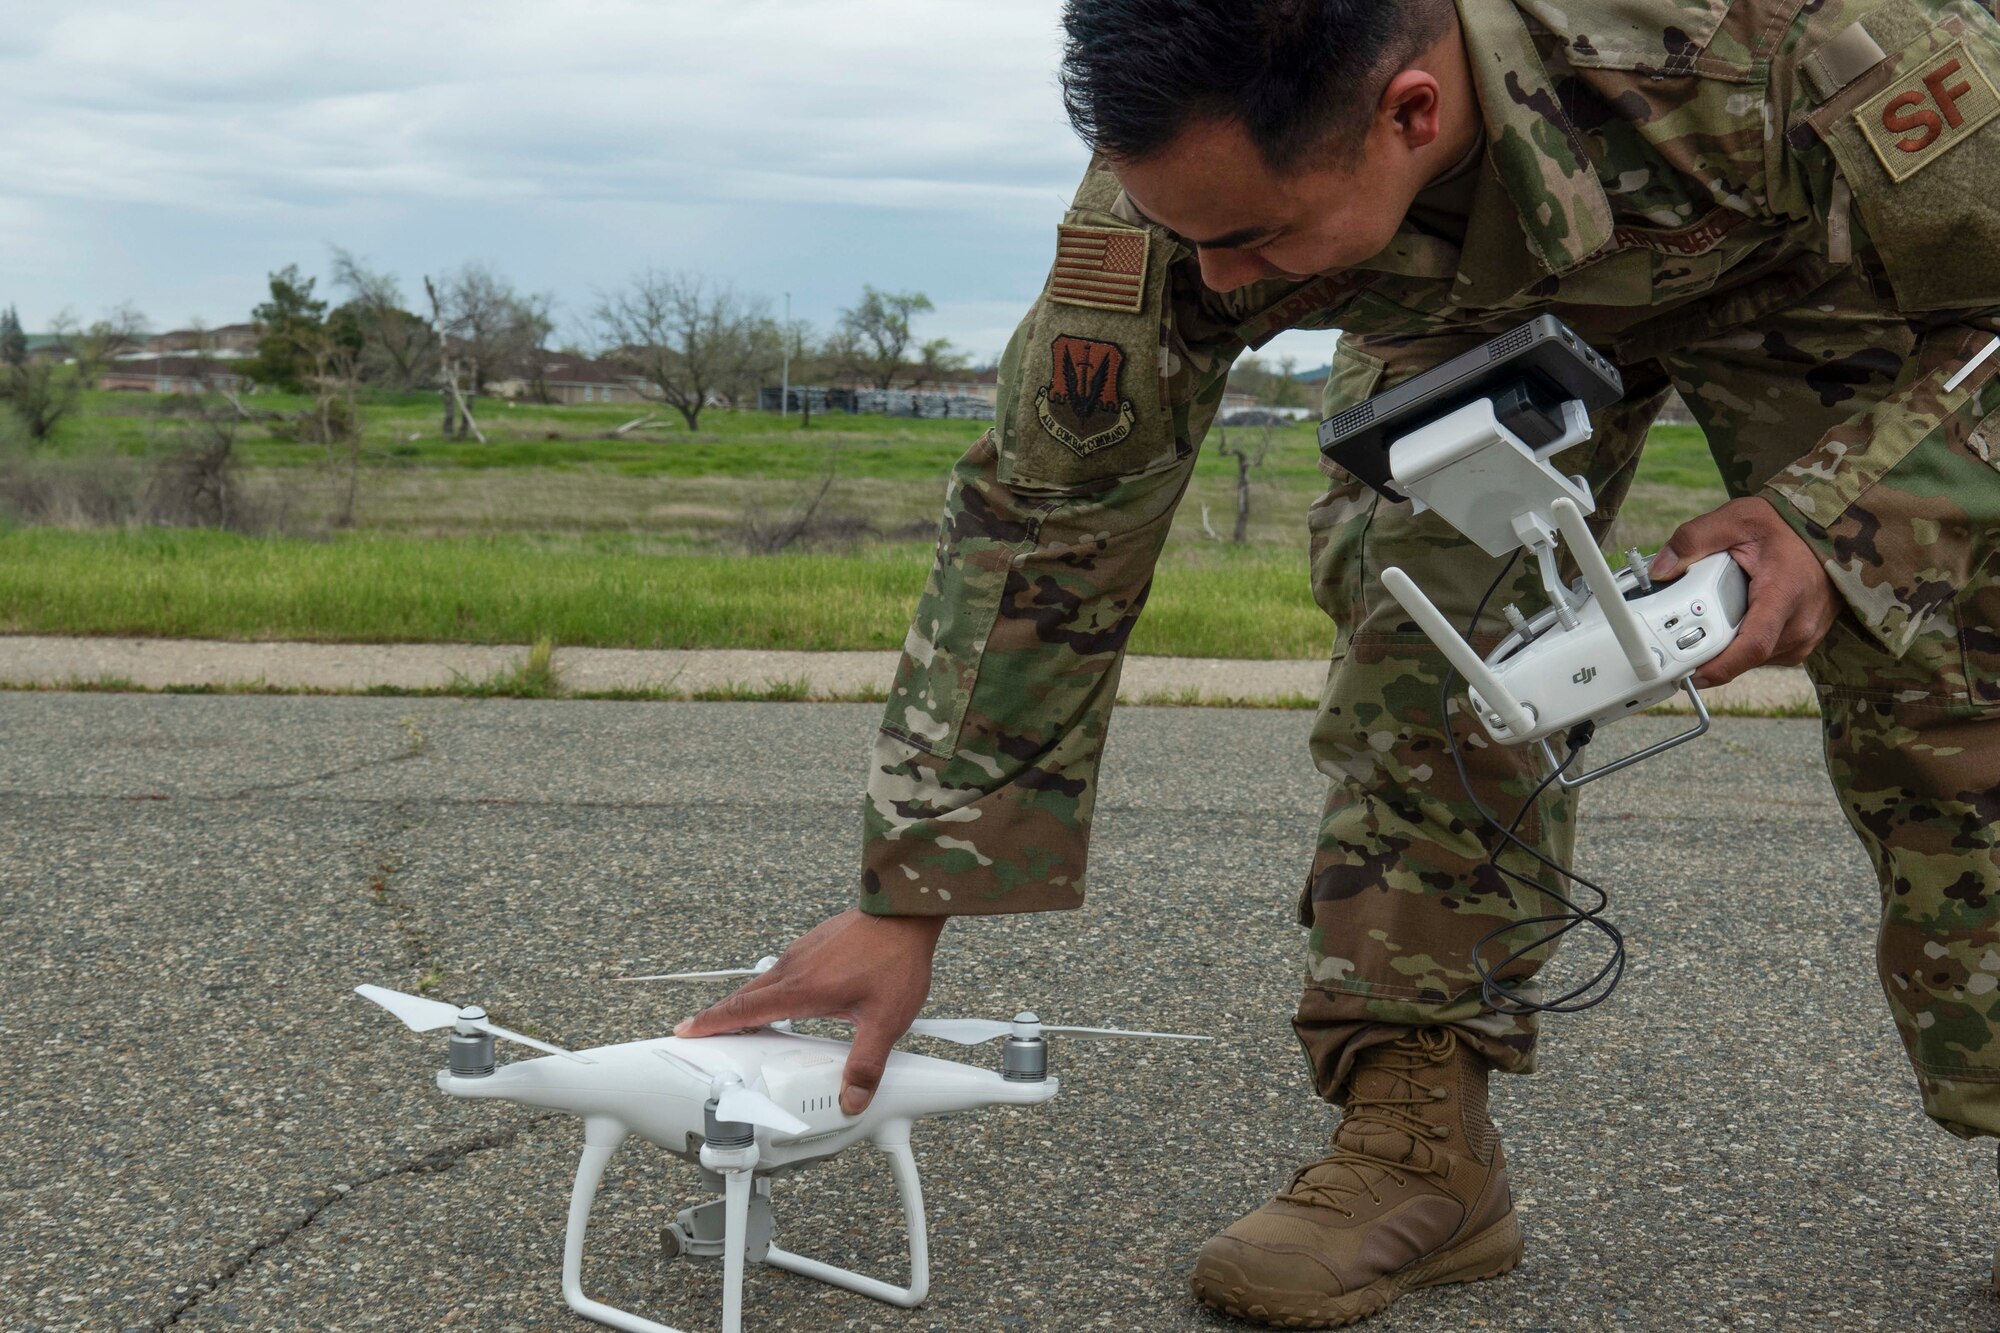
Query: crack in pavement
[[420, 952], [384, 859], [264, 789], [415, 742], [400, 912], [435, 1161]]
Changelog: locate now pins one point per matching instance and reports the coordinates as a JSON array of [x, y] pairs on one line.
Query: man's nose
[[1226, 270]]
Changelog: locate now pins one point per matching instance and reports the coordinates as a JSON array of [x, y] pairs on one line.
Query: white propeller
[[420, 1013], [738, 1104], [757, 969], [973, 1031]]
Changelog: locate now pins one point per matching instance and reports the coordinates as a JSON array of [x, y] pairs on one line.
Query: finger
[[765, 1000], [779, 973], [866, 1060], [1756, 639], [1695, 539]]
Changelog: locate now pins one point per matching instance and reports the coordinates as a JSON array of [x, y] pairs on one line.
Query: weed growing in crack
[[796, 691], [534, 677]]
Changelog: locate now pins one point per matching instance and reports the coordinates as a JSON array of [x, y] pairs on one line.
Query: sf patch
[[1083, 406], [1926, 113]]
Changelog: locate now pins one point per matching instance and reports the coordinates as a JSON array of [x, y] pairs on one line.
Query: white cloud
[[165, 103], [767, 140], [172, 152]]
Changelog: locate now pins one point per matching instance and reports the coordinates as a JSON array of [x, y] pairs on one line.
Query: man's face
[[1249, 223]]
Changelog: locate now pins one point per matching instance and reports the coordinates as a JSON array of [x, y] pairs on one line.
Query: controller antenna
[[1641, 568]]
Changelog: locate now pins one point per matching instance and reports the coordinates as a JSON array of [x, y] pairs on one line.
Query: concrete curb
[[47, 662]]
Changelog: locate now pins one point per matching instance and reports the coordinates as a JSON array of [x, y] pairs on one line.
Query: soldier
[[1782, 208]]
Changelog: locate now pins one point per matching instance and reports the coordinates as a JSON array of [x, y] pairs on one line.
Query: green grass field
[[550, 531], [1220, 602]]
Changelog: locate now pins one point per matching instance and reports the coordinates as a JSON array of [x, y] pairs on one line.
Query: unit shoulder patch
[[1927, 112], [1084, 407], [1103, 268]]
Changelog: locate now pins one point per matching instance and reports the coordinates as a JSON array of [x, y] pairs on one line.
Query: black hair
[[1300, 76]]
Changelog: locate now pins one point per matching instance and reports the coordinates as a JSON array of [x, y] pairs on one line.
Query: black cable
[[1498, 995]]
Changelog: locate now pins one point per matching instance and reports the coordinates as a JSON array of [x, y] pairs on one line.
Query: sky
[[172, 153]]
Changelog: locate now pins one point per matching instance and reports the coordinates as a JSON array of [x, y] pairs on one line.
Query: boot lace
[[1382, 1136]]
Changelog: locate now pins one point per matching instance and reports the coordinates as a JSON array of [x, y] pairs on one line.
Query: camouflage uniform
[[1784, 209]]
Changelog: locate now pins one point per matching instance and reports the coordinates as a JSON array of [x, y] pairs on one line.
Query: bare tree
[[1246, 460], [762, 352], [486, 331], [194, 479], [499, 331], [457, 411], [877, 333], [399, 345], [336, 417], [685, 340], [94, 346]]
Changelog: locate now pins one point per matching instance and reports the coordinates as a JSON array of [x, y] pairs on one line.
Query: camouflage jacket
[[1654, 169]]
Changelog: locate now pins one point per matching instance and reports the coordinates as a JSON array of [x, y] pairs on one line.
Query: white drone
[[746, 1108]]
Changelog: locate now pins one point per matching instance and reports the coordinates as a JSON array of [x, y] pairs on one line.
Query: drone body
[[747, 1108], [638, 1085]]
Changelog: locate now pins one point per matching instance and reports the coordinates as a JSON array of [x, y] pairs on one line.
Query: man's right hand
[[871, 971]]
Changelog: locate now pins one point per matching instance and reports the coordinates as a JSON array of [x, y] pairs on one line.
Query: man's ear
[[1413, 104]]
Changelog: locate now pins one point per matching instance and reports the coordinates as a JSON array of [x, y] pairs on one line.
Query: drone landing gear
[[895, 1144], [738, 1228]]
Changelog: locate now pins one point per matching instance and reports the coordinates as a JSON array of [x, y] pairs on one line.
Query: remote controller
[[1565, 676]]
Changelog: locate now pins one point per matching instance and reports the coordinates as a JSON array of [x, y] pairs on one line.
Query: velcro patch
[[1084, 404], [1103, 268], [1926, 113]]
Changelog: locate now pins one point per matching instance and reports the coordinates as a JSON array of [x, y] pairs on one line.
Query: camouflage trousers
[[1400, 888]]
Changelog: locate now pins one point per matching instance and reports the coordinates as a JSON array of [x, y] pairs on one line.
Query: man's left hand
[[1792, 602]]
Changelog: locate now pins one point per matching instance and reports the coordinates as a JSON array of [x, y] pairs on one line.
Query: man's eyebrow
[[1232, 240]]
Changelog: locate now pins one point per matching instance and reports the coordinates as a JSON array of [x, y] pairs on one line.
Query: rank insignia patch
[[1103, 268], [1081, 406], [1926, 113]]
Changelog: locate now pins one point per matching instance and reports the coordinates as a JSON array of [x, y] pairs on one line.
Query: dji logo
[[1584, 677]]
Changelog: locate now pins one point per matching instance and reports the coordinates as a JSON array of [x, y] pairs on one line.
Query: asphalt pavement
[[204, 1129]]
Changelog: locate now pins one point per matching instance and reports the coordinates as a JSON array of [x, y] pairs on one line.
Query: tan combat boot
[[1414, 1194]]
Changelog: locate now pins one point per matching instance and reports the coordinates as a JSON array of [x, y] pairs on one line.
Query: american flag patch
[[1100, 267]]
